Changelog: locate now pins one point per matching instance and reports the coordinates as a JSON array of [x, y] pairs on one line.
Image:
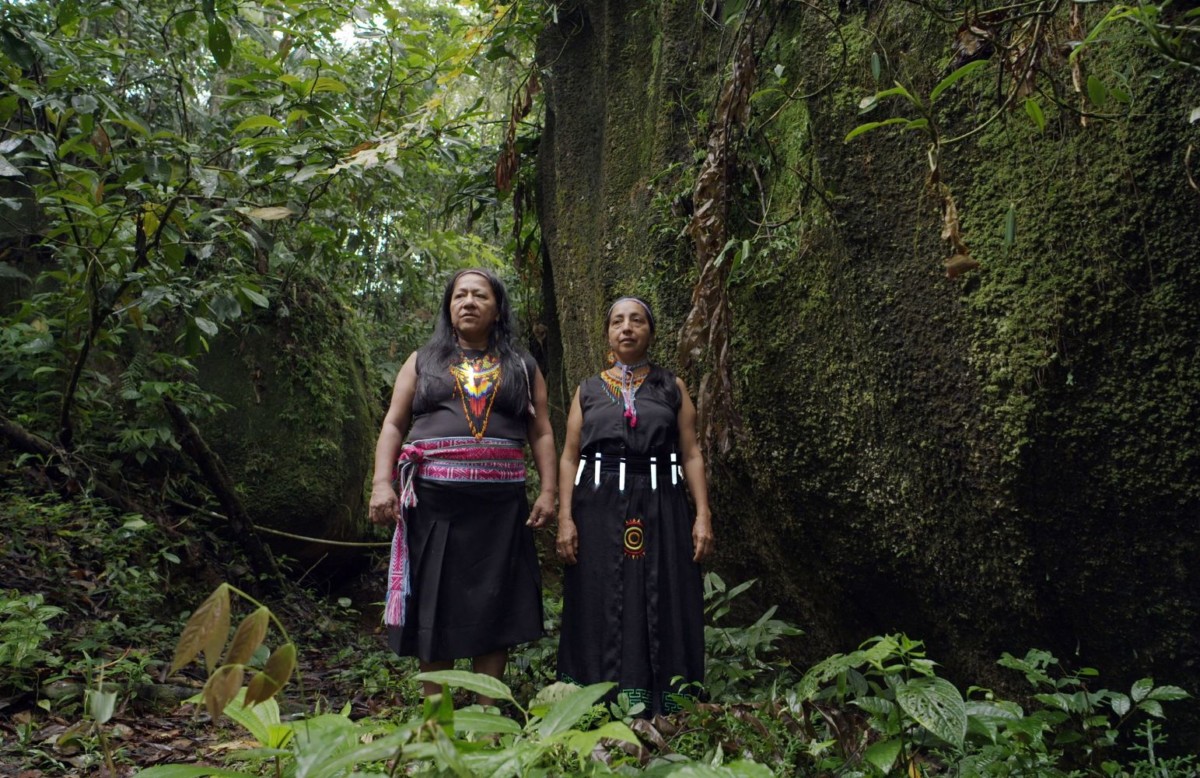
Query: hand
[[703, 541], [384, 507], [542, 511], [567, 543]]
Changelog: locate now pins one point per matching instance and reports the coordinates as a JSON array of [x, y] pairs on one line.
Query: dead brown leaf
[[959, 264]]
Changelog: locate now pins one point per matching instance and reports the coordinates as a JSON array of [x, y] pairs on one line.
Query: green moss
[[1001, 461], [299, 436]]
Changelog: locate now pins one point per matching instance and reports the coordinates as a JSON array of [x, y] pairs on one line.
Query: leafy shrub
[[24, 628], [736, 664]]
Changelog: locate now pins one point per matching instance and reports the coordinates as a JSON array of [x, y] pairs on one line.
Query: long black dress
[[633, 602], [475, 582]]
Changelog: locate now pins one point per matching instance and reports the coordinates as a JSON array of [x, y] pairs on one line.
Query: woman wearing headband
[[464, 579], [632, 595]]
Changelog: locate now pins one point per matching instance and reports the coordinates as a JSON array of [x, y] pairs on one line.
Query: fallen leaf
[[959, 264]]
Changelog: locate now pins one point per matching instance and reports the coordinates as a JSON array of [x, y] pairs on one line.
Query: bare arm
[[567, 542], [541, 443], [693, 470], [384, 508]]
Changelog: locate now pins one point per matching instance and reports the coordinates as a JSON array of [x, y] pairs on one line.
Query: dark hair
[[442, 348], [659, 376]]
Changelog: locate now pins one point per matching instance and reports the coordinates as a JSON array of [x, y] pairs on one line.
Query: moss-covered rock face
[[1001, 461], [299, 435]]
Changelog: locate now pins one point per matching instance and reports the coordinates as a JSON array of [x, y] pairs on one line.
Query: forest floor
[[63, 741], [91, 597]]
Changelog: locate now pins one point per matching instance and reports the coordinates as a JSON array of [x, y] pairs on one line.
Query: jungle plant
[[207, 631], [883, 708], [1087, 722], [737, 665], [166, 172], [24, 629]]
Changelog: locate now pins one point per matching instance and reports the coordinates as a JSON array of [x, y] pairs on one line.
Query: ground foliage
[[110, 670]]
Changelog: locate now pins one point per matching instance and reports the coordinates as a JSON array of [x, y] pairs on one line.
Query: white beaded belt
[[616, 463]]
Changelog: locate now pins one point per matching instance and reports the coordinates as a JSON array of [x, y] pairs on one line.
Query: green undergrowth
[[331, 700]]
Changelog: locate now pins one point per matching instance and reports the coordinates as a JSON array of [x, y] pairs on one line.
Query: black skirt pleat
[[475, 585]]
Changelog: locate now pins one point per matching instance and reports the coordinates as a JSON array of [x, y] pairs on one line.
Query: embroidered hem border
[[672, 702], [461, 460]]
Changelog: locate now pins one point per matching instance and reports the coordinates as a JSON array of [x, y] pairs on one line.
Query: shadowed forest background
[[931, 270]]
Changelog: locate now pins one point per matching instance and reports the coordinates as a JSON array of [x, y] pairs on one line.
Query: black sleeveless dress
[[476, 586], [633, 603]]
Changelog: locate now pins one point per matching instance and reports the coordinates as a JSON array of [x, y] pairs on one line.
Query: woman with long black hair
[[464, 578]]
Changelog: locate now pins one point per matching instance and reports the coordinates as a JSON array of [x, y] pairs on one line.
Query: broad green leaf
[[68, 12], [883, 754], [1152, 707], [17, 49], [1120, 704], [1141, 688], [208, 623], [8, 170], [257, 122], [183, 21], [1034, 111], [954, 77], [742, 768], [209, 329], [876, 65], [219, 42], [876, 706], [1096, 91], [547, 696], [898, 89], [860, 129], [935, 704], [582, 743], [261, 720], [131, 124], [308, 171], [484, 723], [1194, 116], [567, 712], [341, 756], [1167, 693], [472, 682], [256, 297], [327, 84]]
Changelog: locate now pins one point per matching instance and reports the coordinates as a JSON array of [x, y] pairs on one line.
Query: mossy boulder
[[299, 434], [1000, 461]]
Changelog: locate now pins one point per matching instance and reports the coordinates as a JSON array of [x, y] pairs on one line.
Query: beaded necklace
[[476, 382], [624, 389]]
